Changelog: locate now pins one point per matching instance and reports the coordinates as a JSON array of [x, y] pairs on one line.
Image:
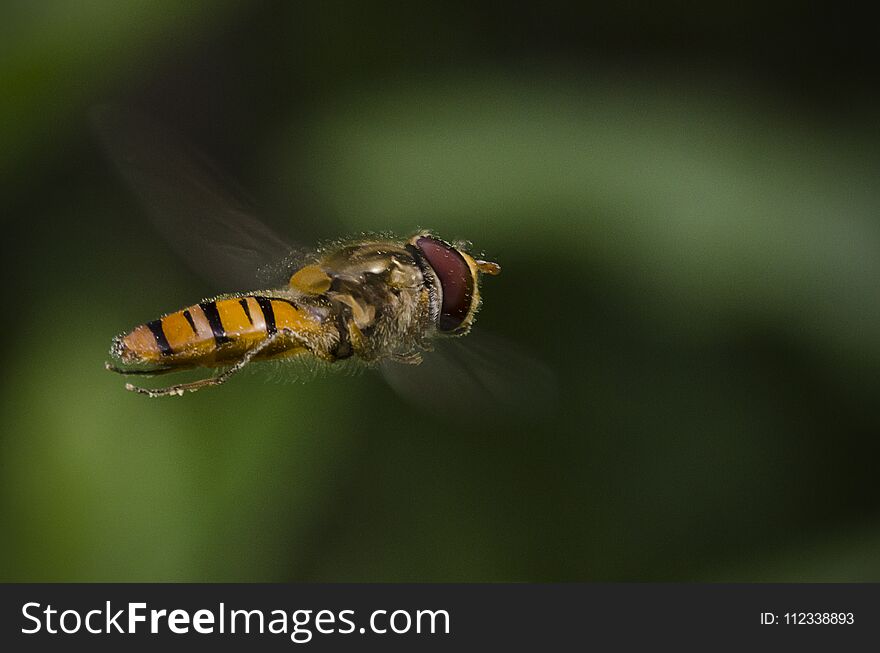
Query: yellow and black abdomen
[[214, 331]]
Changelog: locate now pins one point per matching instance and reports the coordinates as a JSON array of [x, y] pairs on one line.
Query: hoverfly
[[382, 301]]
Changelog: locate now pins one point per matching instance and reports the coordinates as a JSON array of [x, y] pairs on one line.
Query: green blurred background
[[685, 202]]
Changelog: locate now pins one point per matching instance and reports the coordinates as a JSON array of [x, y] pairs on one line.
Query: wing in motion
[[480, 374], [191, 205]]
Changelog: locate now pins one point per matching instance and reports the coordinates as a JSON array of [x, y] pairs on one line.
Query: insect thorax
[[380, 298]]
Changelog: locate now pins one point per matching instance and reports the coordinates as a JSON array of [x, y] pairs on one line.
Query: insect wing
[[191, 206], [474, 376]]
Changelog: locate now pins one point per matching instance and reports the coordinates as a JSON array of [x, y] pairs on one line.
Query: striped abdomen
[[214, 331]]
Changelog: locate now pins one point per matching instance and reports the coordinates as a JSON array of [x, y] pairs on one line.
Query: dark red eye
[[455, 278]]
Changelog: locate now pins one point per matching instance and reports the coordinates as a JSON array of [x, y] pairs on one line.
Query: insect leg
[[410, 358], [181, 388]]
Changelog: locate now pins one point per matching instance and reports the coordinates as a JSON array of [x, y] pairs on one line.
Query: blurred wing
[[191, 207], [475, 376]]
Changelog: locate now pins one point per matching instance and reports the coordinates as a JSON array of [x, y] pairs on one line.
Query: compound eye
[[455, 278]]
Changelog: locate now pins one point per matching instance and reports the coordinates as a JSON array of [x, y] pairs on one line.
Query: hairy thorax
[[381, 299]]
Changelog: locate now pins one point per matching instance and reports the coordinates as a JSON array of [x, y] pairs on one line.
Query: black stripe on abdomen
[[213, 317], [265, 305], [246, 309], [189, 318], [161, 341]]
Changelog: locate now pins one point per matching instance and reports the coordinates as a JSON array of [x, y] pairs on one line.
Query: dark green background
[[684, 200]]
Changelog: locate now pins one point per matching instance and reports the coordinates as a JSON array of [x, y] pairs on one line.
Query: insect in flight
[[382, 301]]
